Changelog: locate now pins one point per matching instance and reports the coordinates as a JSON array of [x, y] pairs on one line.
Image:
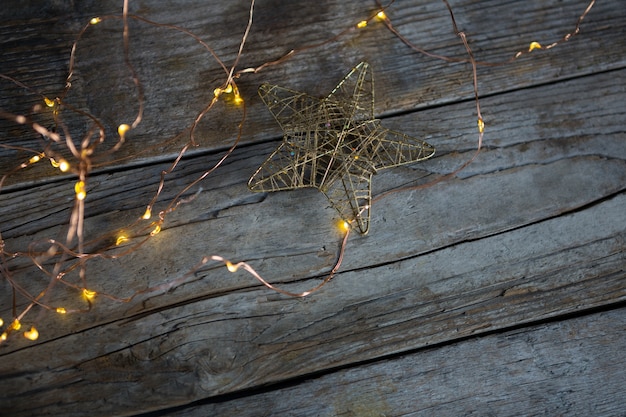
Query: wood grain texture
[[532, 231], [572, 368]]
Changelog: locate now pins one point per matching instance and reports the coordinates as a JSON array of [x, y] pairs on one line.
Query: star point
[[334, 144]]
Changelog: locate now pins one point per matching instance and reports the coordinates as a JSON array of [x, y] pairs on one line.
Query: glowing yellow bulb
[[481, 126], [95, 21], [156, 230], [121, 239], [49, 103], [361, 24], [147, 214], [63, 165], [534, 45], [61, 310], [231, 267], [4, 336], [88, 294], [219, 90], [34, 159], [79, 189], [32, 334], [1, 322], [16, 325], [122, 129], [230, 88], [381, 15], [344, 226]]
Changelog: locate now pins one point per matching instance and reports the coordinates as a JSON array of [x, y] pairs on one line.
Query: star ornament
[[334, 144]]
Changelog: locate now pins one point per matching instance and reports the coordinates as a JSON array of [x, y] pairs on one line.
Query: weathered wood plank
[[234, 341], [181, 77], [575, 367]]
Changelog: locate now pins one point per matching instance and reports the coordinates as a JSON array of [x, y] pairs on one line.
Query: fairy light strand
[[229, 91]]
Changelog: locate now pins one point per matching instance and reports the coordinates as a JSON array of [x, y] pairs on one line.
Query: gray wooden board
[[180, 79], [532, 230], [234, 341], [575, 367]]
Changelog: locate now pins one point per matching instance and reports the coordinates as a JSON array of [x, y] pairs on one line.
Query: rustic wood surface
[[499, 291]]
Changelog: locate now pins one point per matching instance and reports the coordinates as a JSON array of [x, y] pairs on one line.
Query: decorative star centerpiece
[[334, 144]]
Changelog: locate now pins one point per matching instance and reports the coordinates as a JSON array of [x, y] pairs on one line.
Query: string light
[[481, 126], [121, 239], [344, 226], [79, 189], [231, 267], [32, 334], [231, 88], [88, 294], [82, 165], [62, 165], [156, 230], [121, 130]]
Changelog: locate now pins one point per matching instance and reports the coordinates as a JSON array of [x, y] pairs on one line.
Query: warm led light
[[230, 88], [16, 325], [122, 129], [231, 267], [95, 20], [4, 336], [156, 230], [147, 214], [79, 189], [88, 294], [1, 322], [534, 45], [34, 159], [381, 15], [121, 239], [361, 24], [481, 126], [344, 226], [32, 334], [64, 166], [61, 310], [49, 103]]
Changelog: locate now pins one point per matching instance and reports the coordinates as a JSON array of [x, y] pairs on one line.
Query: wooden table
[[497, 291]]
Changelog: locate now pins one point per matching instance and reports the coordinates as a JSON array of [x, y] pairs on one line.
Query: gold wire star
[[334, 144]]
